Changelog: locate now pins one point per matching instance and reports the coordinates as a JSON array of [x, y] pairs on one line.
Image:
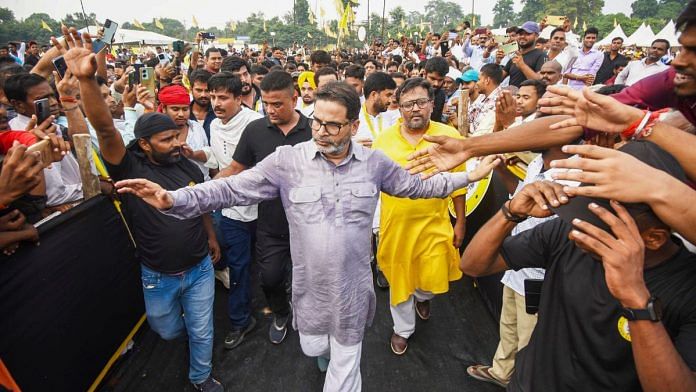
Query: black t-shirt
[[535, 58], [606, 71], [578, 343], [438, 105], [260, 139], [164, 243]]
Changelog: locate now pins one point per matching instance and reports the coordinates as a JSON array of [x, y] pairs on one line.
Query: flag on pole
[[614, 21], [309, 35], [159, 24], [45, 26], [473, 21], [575, 25], [194, 22], [584, 26], [343, 24], [311, 16], [138, 24], [265, 29], [233, 26], [403, 23]]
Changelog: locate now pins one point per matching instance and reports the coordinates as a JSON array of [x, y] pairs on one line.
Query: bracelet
[[647, 128], [629, 132], [510, 216], [68, 99]]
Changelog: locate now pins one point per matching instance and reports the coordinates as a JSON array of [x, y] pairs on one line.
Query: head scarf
[[173, 95], [306, 76]]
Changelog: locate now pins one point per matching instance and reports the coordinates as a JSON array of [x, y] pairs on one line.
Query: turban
[[306, 76], [173, 95]]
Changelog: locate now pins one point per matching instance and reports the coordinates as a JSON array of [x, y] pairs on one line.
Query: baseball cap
[[471, 75], [529, 27], [648, 153]]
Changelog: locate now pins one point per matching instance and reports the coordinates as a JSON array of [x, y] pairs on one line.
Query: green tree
[[644, 8], [301, 13], [669, 10], [583, 10], [443, 14], [532, 10], [503, 13]]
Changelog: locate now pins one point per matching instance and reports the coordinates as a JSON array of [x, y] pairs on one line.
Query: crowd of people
[[335, 171]]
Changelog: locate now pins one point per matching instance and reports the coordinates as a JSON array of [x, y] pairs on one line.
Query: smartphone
[[147, 79], [206, 35], [500, 39], [133, 78], [555, 20], [42, 109], [110, 28], [512, 47], [178, 46], [60, 66], [98, 45], [163, 60], [43, 147]]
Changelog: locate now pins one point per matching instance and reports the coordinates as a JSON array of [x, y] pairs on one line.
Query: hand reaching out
[[150, 192], [484, 167], [445, 153]]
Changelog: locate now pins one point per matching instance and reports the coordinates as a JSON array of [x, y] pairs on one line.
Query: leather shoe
[[423, 310], [398, 344]]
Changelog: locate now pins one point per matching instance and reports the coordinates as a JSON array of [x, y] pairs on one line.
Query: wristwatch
[[652, 311]]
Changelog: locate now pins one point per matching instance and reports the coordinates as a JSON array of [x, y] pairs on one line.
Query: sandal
[[481, 373]]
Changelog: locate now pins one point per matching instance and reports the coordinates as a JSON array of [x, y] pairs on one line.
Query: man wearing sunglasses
[[329, 188]]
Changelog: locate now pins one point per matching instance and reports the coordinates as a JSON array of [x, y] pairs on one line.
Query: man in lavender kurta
[[583, 71], [329, 188]]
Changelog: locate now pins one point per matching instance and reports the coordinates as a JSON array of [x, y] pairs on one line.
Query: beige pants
[[516, 328]]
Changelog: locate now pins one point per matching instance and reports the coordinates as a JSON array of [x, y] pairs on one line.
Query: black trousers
[[275, 268]]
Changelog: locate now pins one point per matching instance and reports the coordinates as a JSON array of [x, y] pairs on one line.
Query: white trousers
[[404, 314], [343, 374]]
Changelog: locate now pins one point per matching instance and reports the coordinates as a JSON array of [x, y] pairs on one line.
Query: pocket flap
[[363, 190], [308, 194]]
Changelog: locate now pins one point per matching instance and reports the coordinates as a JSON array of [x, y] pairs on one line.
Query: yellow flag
[[322, 12], [233, 26], [194, 22], [311, 17], [614, 22], [138, 24], [309, 35], [265, 29], [473, 21], [575, 25], [403, 24], [343, 24], [159, 24], [45, 26], [584, 26]]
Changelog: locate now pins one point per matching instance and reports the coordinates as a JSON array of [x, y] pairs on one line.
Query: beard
[[333, 148], [168, 158], [528, 45], [203, 102], [246, 88], [417, 123]]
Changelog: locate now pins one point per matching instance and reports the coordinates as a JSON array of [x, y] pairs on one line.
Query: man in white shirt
[[482, 110], [379, 89], [235, 225], [307, 87], [639, 69]]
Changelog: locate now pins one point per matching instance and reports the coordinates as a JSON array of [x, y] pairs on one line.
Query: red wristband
[[68, 99], [628, 132]]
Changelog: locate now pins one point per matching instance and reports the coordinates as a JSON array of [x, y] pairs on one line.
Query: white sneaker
[[223, 276]]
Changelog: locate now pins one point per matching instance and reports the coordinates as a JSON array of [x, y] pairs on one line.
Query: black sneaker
[[278, 329], [209, 385], [235, 337], [382, 282]]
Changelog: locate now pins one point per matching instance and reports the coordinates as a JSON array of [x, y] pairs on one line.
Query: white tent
[[136, 37], [617, 32], [642, 37], [668, 33]]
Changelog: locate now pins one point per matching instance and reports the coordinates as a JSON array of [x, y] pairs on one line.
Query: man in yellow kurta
[[418, 246]]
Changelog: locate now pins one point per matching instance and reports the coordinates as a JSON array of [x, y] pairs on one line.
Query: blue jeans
[[179, 304], [235, 241]]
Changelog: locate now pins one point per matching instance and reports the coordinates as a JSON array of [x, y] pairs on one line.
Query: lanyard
[[370, 126]]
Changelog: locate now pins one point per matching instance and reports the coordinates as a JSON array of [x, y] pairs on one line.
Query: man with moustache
[[551, 72], [236, 223], [251, 96], [176, 269], [201, 110], [650, 65], [611, 58], [584, 68], [379, 89], [329, 187], [307, 88], [528, 59]]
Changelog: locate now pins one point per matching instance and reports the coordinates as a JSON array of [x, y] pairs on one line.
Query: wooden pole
[[463, 112], [88, 171]]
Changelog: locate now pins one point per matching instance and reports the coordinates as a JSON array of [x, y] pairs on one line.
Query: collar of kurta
[[357, 151]]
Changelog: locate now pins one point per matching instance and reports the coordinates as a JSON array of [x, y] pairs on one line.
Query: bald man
[[551, 72]]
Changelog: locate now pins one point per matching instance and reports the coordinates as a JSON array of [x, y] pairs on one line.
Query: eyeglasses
[[422, 102], [332, 128]]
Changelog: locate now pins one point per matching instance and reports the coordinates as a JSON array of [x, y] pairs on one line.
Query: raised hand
[[505, 110], [79, 58], [67, 86], [595, 111], [150, 192], [444, 154], [484, 167], [146, 98], [537, 198]]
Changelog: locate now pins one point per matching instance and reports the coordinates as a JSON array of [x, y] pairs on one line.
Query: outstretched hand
[[79, 57], [150, 192], [484, 167], [445, 153]]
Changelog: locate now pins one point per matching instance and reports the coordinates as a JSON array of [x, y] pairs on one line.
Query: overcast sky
[[217, 12]]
